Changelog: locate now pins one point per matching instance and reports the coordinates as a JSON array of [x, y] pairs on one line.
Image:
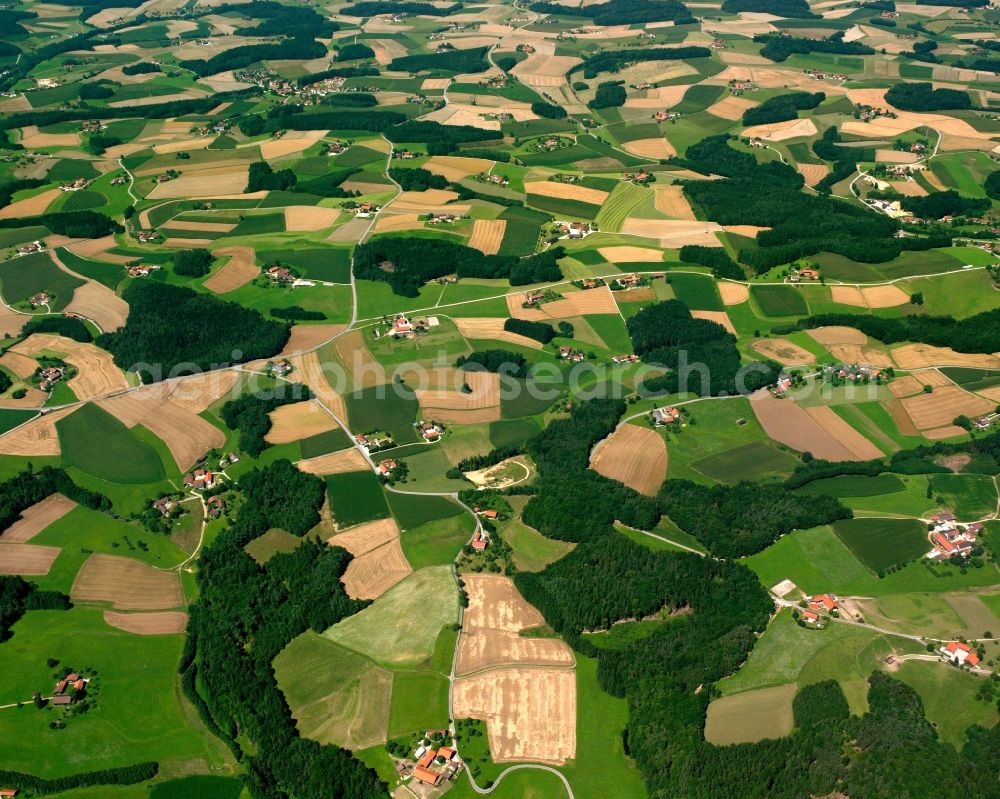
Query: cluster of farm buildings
[[432, 766], [950, 539]]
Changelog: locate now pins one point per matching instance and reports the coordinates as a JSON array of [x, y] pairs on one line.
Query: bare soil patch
[[31, 206], [394, 223], [635, 456], [36, 518], [852, 353], [309, 370], [885, 296], [781, 131], [227, 181], [731, 107], [514, 309], [782, 351], [127, 584], [167, 622], [838, 335], [948, 431], [309, 218], [485, 392], [487, 235], [28, 560], [353, 353], [674, 233], [99, 304], [544, 70], [32, 138], [308, 337], [298, 420], [848, 295], [454, 416], [859, 446], [896, 156], [939, 408], [650, 148], [455, 167], [627, 254], [733, 293], [289, 145], [568, 191], [581, 303], [347, 460], [719, 317], [491, 329], [239, 270], [788, 423]]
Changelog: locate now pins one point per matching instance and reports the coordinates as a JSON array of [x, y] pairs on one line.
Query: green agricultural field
[[970, 496], [266, 546], [751, 716], [949, 697], [532, 550], [698, 292], [521, 232], [324, 443], [356, 497], [24, 277], [564, 208], [512, 432], [757, 460], [530, 784], [854, 486], [622, 201], [117, 731], [382, 408], [419, 702], [612, 332], [883, 543], [336, 696], [777, 301], [972, 379], [413, 511], [106, 274], [96, 442], [428, 594], [331, 264], [436, 543], [10, 419]]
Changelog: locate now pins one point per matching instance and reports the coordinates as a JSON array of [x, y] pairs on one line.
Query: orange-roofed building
[[4, 792], [823, 601], [427, 759], [426, 775], [960, 653], [446, 752], [809, 617]]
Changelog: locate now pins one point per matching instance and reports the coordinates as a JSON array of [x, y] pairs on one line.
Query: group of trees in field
[[790, 9], [372, 8], [240, 57], [406, 263], [75, 224], [924, 97], [615, 60], [24, 489], [245, 615], [608, 95], [778, 48], [782, 107], [715, 258], [171, 325], [700, 355], [945, 203], [622, 12], [123, 775], [417, 179], [454, 61], [193, 263], [510, 363], [249, 414], [541, 332], [262, 177], [800, 224], [71, 327]]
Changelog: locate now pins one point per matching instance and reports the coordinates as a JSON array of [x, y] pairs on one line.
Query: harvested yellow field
[[431, 201], [781, 131], [200, 143], [948, 431], [310, 371], [370, 575], [239, 270], [491, 627], [885, 296], [185, 243], [491, 329], [487, 234], [719, 317], [939, 408], [393, 223], [848, 295], [674, 233], [789, 423], [731, 107], [127, 584], [11, 321], [21, 365], [167, 622], [298, 420], [860, 447], [782, 351], [650, 148], [36, 518], [838, 335], [366, 537], [854, 353], [32, 138], [186, 434], [347, 460], [197, 392], [308, 337], [205, 227], [28, 560], [813, 173], [566, 191], [289, 145], [97, 374], [36, 437], [460, 416], [454, 167], [31, 206], [670, 201], [530, 713], [231, 180], [99, 304], [579, 303], [914, 384], [635, 456], [514, 309], [733, 293], [435, 83], [916, 356], [896, 156], [626, 254], [485, 393], [544, 70], [308, 218]]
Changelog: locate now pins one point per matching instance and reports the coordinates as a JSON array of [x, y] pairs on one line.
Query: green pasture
[[532, 550], [419, 702], [436, 543], [949, 697], [271, 543], [382, 408], [22, 278], [623, 200], [96, 442], [881, 543], [698, 292], [779, 301], [356, 497], [757, 460], [969, 496]]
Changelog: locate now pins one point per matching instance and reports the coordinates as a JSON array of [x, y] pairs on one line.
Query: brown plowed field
[[915, 356], [914, 384], [671, 202], [813, 173], [491, 329], [127, 584], [782, 351], [565, 191], [650, 148], [636, 456], [309, 218], [372, 574], [514, 309], [628, 254], [838, 335], [530, 713], [32, 206], [851, 353], [459, 416], [297, 421], [21, 365], [581, 303], [166, 622], [226, 181], [848, 295], [366, 537], [351, 231], [36, 518], [454, 167], [938, 409], [393, 223], [11, 322], [641, 294], [788, 423], [307, 337], [32, 400], [860, 447], [309, 370], [185, 243], [719, 317], [36, 437], [949, 431], [733, 293], [100, 304], [186, 434], [354, 354], [97, 374], [487, 235], [239, 270], [347, 460], [731, 107], [900, 417], [28, 560], [198, 392], [491, 629], [441, 388]]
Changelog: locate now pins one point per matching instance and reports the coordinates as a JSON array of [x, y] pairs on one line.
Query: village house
[[496, 180], [5, 793], [387, 466], [430, 431], [781, 385], [639, 178], [665, 116], [810, 617], [532, 298], [119, 180], [404, 155], [164, 505], [437, 219], [74, 185], [624, 359], [48, 377], [278, 368], [145, 236], [39, 299], [960, 654], [570, 354], [823, 602], [757, 143], [216, 507], [372, 443], [141, 270], [631, 281], [30, 247], [280, 274], [199, 478], [365, 210], [480, 541], [402, 327], [666, 415], [488, 513], [949, 540]]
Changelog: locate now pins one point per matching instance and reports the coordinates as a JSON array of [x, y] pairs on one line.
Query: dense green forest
[[510, 363], [372, 8], [715, 258], [245, 614], [778, 48], [782, 107], [171, 326], [415, 261], [622, 12], [924, 97], [701, 356], [453, 61], [70, 327], [614, 60], [539, 331], [790, 9]]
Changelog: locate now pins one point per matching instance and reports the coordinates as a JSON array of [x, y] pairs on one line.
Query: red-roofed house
[[823, 602], [478, 542], [427, 759], [959, 653], [809, 617], [446, 752], [5, 792], [424, 775]]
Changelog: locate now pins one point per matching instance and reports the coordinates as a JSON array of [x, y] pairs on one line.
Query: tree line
[[249, 413], [782, 107], [778, 48], [615, 60], [622, 12], [24, 489], [498, 360], [924, 97]]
